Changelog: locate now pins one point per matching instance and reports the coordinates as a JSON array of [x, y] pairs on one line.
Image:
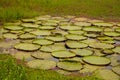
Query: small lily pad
[[107, 51], [70, 66], [27, 36], [103, 24], [17, 32], [56, 38], [93, 29], [29, 25], [62, 54], [28, 29], [76, 44], [41, 64], [92, 35], [96, 60], [116, 50], [47, 27], [82, 24], [71, 27], [14, 28], [26, 46], [82, 52], [61, 32], [10, 36], [43, 42], [111, 33], [49, 24], [75, 37], [104, 38], [101, 45], [41, 32], [79, 32], [116, 70]]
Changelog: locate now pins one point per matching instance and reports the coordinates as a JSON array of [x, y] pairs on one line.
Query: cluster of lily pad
[[68, 43]]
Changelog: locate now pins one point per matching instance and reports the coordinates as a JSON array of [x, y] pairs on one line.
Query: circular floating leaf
[[76, 44], [41, 32], [70, 66], [111, 33], [96, 60], [10, 36], [59, 32], [105, 38], [41, 55], [56, 38], [116, 50], [17, 32], [103, 24], [75, 37], [89, 41], [79, 32], [26, 46], [82, 52], [43, 42], [82, 24], [71, 27], [101, 45], [93, 35], [47, 27], [51, 48], [14, 28], [116, 70], [41, 64], [29, 25], [63, 54], [93, 29], [28, 20], [28, 29], [49, 24], [27, 36], [107, 51]]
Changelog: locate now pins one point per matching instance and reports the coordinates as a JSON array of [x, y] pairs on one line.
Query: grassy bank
[[16, 9], [10, 70]]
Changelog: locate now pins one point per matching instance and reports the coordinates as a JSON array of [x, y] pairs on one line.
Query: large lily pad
[[111, 33], [10, 36], [71, 27], [13, 27], [43, 42], [29, 25], [79, 32], [103, 24], [27, 36], [93, 29], [76, 44], [104, 38], [41, 32], [70, 66], [82, 52], [17, 32], [49, 24], [51, 48], [75, 37], [82, 24], [92, 35], [47, 27], [116, 70], [96, 60], [56, 38], [116, 50], [62, 54], [101, 45], [26, 46], [41, 64]]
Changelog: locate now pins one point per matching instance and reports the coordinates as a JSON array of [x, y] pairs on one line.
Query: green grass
[[10, 70], [17, 9]]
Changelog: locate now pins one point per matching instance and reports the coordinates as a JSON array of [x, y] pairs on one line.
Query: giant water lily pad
[[82, 24], [13, 27], [116, 70], [41, 32], [26, 46], [107, 75], [71, 27], [62, 54], [101, 45], [47, 27], [103, 24], [75, 37], [89, 41], [104, 38], [82, 52], [79, 32], [96, 60], [10, 36], [27, 36], [41, 55], [76, 44], [93, 29], [116, 50], [43, 42], [41, 64], [92, 35], [29, 25], [56, 38], [51, 48], [111, 33], [17, 32], [70, 66]]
